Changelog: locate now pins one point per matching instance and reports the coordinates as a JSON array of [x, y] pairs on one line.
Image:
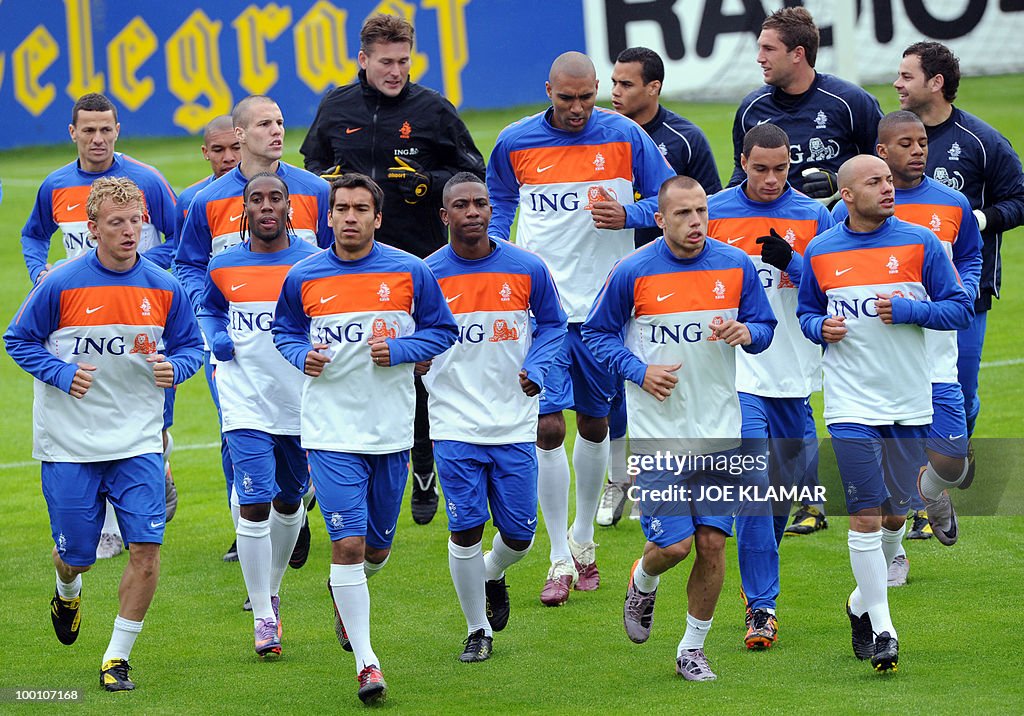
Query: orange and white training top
[[82, 312], [554, 176], [474, 386]]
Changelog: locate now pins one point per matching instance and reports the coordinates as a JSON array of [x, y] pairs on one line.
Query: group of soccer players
[[328, 346]]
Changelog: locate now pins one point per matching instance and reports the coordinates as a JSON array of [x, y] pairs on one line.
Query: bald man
[[572, 171], [870, 286]]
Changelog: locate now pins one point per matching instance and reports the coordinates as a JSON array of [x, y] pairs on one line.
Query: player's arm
[[812, 309], [602, 331], [650, 171], [324, 232], [755, 313], [183, 344], [503, 188], [316, 151], [1004, 181], [291, 324], [36, 234], [702, 166], [28, 332], [738, 132], [551, 328], [436, 330], [213, 319], [457, 152], [967, 250], [950, 308], [162, 206], [192, 258]]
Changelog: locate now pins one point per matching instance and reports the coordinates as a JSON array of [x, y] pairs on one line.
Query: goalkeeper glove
[[413, 183], [775, 250], [821, 184], [335, 172]]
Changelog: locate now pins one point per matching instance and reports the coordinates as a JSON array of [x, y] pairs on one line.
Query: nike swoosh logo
[[667, 295], [840, 273], [387, 532], [90, 311], [235, 288], [541, 170], [531, 522], [449, 300], [352, 130], [325, 299], [956, 437], [733, 241], [236, 218], [154, 525], [763, 121], [72, 207]]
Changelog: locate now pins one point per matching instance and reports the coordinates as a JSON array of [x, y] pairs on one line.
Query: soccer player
[[669, 319], [60, 204], [213, 221], [903, 145], [104, 335], [221, 148], [355, 319], [260, 397], [870, 286], [572, 172], [483, 402], [828, 120], [969, 155], [770, 221], [410, 140], [636, 87]]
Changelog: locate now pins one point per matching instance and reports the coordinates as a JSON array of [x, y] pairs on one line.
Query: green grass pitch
[[957, 618]]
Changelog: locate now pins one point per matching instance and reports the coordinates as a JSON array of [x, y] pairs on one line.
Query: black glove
[[775, 250], [821, 184], [413, 183], [333, 173]]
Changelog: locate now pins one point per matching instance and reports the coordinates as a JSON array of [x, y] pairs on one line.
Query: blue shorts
[[617, 419], [948, 434], [267, 466], [503, 475], [577, 380], [878, 464], [969, 344], [169, 395], [703, 496], [360, 495], [787, 424], [76, 495]]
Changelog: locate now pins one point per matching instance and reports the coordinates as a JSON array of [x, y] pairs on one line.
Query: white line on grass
[[177, 448], [1002, 363]]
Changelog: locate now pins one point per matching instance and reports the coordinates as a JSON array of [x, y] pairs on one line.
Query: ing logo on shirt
[[501, 331], [953, 181], [143, 345], [820, 151], [715, 323], [380, 329]]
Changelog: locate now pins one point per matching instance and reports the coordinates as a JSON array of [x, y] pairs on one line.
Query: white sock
[[892, 543], [284, 530], [932, 484], [553, 497], [870, 570], [467, 567], [169, 449], [900, 552], [617, 462], [351, 596], [236, 509], [308, 497], [590, 463], [255, 553], [371, 568], [643, 581], [501, 557], [110, 525], [122, 639], [69, 590], [695, 634]]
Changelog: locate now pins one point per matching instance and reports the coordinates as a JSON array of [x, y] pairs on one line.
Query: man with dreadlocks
[[213, 220], [259, 396]]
